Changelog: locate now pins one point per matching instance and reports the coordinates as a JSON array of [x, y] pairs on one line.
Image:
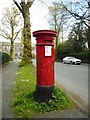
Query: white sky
[[39, 17]]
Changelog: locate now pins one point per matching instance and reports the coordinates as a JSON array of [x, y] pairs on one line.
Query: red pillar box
[[44, 64]]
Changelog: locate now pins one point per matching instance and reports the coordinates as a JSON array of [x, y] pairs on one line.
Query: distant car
[[19, 57], [71, 60]]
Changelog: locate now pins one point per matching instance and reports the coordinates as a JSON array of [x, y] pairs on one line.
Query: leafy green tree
[[77, 37], [63, 49]]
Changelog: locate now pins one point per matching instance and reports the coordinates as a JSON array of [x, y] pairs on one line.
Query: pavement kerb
[[2, 65], [76, 99]]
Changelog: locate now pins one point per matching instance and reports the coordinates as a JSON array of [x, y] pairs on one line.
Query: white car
[[71, 60]]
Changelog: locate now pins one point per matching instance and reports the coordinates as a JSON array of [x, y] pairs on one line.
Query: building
[[17, 51]]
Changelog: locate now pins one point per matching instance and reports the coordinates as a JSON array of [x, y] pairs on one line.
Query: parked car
[[71, 60]]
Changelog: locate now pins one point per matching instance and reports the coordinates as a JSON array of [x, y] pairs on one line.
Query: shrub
[[84, 56], [4, 58], [62, 49]]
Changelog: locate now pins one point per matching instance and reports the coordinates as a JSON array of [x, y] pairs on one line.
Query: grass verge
[[23, 102]]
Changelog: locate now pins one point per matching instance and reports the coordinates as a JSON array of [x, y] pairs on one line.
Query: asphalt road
[[74, 78]]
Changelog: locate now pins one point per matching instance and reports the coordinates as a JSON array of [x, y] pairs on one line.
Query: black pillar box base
[[43, 93]]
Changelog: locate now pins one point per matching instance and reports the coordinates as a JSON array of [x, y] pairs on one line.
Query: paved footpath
[[69, 113], [0, 92], [8, 77]]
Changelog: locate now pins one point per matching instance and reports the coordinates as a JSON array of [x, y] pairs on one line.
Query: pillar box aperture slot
[[44, 64]]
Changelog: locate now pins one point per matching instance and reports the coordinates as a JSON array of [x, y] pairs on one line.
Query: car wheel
[[70, 62], [63, 62]]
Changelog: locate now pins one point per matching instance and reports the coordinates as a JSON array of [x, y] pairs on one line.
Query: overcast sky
[[38, 12], [39, 15]]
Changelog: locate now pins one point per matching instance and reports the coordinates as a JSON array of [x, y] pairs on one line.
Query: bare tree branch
[[19, 7], [16, 34], [5, 34], [5, 25], [77, 16]]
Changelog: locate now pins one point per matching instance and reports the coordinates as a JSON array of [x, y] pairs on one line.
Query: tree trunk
[[27, 49], [56, 40], [11, 49]]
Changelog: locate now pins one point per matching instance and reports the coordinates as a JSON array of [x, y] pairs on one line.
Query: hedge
[[4, 58], [84, 56]]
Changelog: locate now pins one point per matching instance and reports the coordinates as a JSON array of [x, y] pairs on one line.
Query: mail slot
[[44, 64]]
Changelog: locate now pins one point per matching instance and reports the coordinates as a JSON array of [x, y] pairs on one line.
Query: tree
[[63, 49], [78, 37], [10, 22], [24, 9], [80, 12], [57, 19]]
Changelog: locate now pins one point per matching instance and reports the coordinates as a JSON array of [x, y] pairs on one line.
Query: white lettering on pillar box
[[48, 50]]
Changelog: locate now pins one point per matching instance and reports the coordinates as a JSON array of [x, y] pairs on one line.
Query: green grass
[[23, 102]]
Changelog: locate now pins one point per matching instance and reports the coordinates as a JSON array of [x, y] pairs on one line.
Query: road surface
[[74, 78]]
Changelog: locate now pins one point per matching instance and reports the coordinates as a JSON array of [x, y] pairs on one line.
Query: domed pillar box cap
[[44, 33]]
